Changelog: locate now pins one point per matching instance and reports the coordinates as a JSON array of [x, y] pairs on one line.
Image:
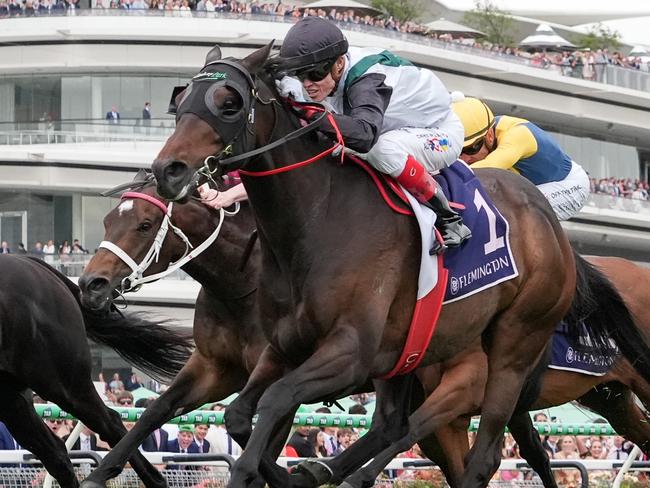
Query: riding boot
[[449, 222], [417, 181]]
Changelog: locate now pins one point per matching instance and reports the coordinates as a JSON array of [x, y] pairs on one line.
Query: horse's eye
[[230, 107], [144, 227]]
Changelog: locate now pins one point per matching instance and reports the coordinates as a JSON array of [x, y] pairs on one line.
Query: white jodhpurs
[[434, 147], [568, 196]]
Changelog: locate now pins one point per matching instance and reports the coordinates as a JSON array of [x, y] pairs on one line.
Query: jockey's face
[[487, 147], [320, 90]]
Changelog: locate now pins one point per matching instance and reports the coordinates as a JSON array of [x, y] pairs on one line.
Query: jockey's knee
[[388, 155], [433, 147]]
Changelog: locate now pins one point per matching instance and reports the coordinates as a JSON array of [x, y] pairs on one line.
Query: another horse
[[227, 332], [43, 346], [339, 272], [135, 231], [611, 395]]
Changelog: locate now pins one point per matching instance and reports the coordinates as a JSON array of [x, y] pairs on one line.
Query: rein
[[136, 279], [340, 143]]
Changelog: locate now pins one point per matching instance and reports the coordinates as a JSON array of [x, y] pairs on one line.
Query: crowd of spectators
[[621, 188], [585, 64]]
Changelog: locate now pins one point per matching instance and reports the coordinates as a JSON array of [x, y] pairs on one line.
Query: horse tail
[[598, 306], [152, 346]]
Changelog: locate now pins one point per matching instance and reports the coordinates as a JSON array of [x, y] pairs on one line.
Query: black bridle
[[236, 130]]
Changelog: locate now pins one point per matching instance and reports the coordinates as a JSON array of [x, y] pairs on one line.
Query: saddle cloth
[[579, 354], [481, 262]]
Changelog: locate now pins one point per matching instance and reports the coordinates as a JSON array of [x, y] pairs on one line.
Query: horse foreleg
[[448, 448], [17, 412], [199, 382], [334, 369], [389, 422], [514, 351], [454, 397], [238, 416], [531, 448]]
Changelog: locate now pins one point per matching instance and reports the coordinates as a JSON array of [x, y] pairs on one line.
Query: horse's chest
[[295, 335]]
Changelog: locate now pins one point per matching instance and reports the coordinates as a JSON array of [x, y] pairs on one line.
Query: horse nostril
[[175, 169], [94, 285]]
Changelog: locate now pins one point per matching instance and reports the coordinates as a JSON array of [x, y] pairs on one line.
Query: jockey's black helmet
[[310, 43]]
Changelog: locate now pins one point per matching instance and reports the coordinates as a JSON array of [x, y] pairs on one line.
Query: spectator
[[618, 451], [65, 247], [343, 438], [76, 242], [300, 442], [8, 443], [113, 116], [87, 441], [157, 441], [596, 450], [37, 250], [48, 251], [357, 409], [146, 114], [4, 248], [56, 426], [317, 440], [183, 444], [568, 450], [116, 383], [200, 432], [134, 382], [124, 398], [220, 441]]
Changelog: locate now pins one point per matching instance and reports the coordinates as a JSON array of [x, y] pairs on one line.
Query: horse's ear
[[255, 61], [141, 175], [213, 55]]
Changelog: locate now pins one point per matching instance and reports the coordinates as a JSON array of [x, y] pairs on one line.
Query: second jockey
[[397, 115], [519, 145]]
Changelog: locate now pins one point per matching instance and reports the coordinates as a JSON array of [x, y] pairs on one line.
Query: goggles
[[474, 148], [315, 73]]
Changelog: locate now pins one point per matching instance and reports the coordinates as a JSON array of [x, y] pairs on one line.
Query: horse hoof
[[317, 472]]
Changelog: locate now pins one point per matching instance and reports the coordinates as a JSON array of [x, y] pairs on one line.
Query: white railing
[[66, 132]]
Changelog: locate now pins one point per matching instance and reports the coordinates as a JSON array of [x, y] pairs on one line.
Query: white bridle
[[136, 279]]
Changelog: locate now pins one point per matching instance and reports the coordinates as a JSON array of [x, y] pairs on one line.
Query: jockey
[[397, 115], [520, 146]]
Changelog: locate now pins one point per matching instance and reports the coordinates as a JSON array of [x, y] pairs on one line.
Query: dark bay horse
[[612, 395], [339, 270], [226, 348], [227, 333], [43, 347]]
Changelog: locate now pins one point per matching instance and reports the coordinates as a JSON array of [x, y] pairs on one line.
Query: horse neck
[[290, 205], [217, 268]]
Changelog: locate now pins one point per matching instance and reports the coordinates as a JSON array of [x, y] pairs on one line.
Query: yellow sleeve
[[512, 145]]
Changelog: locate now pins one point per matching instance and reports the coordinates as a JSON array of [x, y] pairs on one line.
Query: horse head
[[226, 109], [136, 238]]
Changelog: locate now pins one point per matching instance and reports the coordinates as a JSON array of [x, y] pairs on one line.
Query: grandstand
[[62, 74]]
